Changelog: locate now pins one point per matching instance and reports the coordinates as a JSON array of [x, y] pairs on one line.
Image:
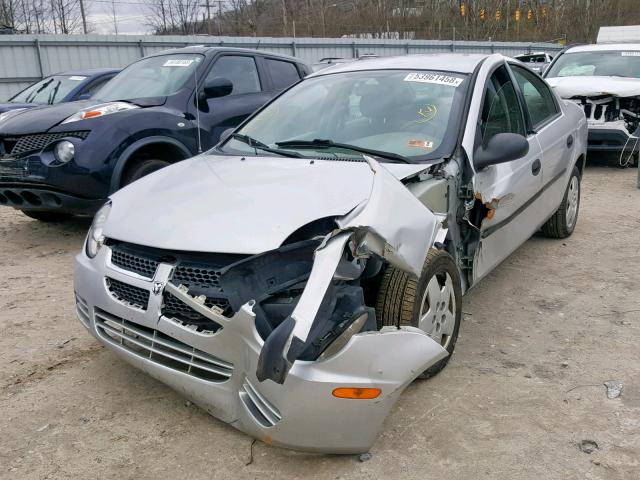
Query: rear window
[[282, 73]]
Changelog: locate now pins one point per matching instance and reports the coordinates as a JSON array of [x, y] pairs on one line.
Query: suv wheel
[[137, 170]]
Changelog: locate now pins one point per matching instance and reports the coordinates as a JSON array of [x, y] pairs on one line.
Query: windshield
[[50, 90], [600, 63], [151, 77], [413, 114]]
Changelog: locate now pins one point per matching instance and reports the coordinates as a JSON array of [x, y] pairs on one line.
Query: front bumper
[[217, 370], [28, 196], [31, 183], [608, 137]]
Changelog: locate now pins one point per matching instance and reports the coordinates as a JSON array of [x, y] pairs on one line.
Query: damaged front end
[[284, 344], [613, 121]]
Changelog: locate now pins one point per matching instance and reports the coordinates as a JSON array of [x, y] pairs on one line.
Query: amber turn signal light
[[91, 114], [357, 393]]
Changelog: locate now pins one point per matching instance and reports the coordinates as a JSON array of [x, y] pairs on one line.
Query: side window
[[537, 96], [92, 88], [282, 73], [241, 70], [501, 112]]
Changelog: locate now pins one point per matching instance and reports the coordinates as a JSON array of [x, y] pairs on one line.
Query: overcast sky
[[131, 18]]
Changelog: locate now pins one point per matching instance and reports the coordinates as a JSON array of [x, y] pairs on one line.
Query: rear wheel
[[564, 220], [49, 217], [433, 303], [140, 169]]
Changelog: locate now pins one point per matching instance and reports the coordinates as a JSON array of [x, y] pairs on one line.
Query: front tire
[[563, 221], [433, 303], [47, 217], [141, 169]]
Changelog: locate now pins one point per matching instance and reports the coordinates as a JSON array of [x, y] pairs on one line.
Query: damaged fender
[[391, 224]]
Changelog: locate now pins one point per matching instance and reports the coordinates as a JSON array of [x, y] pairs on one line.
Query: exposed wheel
[[45, 216], [433, 303], [140, 169], [563, 221]]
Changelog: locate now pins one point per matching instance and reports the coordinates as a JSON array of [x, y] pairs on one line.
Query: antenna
[[195, 77]]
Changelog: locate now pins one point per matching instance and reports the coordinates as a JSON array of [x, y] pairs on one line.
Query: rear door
[[506, 190], [550, 127], [282, 73], [249, 93]]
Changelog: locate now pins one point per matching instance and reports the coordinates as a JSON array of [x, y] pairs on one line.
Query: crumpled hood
[[228, 205], [581, 86]]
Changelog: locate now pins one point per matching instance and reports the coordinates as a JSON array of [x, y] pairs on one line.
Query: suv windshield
[[407, 113], [600, 63], [151, 77], [50, 90]]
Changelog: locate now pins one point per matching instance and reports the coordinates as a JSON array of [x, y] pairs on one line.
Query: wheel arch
[[166, 148]]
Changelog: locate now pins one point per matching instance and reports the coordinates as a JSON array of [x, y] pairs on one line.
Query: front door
[[248, 94], [506, 189]]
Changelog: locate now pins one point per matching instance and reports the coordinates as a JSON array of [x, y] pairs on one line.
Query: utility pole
[[208, 6], [115, 21], [84, 18]]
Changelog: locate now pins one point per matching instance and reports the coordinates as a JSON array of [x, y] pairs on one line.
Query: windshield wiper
[[253, 143], [321, 143]]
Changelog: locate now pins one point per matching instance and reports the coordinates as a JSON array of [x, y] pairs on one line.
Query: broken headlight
[[95, 239]]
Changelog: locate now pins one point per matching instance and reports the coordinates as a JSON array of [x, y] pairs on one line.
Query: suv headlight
[[95, 239], [100, 111]]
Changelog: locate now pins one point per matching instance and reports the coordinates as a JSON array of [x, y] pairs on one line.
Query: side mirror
[[217, 87], [501, 148], [83, 96]]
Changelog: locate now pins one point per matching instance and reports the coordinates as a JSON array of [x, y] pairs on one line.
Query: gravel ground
[[524, 389]]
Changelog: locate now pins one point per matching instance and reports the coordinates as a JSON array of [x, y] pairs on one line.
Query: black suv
[[66, 159]]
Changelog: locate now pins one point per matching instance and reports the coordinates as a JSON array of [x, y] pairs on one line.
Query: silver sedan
[[296, 278]]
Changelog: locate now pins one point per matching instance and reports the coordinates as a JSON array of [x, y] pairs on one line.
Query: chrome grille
[[142, 265], [159, 348], [259, 407], [128, 294], [82, 310], [30, 143]]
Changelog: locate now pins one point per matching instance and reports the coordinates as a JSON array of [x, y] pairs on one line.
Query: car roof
[[207, 50], [89, 72], [449, 62], [603, 47]]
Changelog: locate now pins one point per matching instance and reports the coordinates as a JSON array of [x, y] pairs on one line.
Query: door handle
[[536, 166], [569, 141]]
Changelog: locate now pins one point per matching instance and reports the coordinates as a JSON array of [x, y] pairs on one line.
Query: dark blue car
[[66, 159], [60, 88]]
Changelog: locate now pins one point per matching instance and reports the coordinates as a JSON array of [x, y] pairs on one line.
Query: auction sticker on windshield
[[434, 78], [630, 54], [176, 62]]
